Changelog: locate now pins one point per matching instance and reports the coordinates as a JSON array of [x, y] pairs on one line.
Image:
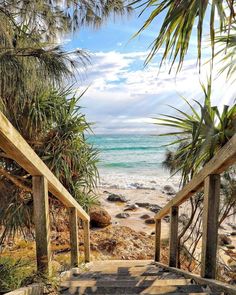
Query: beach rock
[[99, 217], [117, 198], [150, 221], [155, 208], [224, 240], [122, 215], [145, 216], [143, 205], [132, 207], [169, 190], [152, 207], [136, 185]]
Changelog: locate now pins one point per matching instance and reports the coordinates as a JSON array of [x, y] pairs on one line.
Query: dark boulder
[[117, 198]]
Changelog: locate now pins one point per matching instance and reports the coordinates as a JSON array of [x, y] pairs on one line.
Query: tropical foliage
[[200, 134], [181, 20], [37, 77]]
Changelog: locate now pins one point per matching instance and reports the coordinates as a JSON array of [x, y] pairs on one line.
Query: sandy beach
[[154, 197], [134, 221]]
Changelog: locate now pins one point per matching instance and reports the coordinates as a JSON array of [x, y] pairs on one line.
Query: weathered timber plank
[[210, 226], [221, 286], [158, 240], [173, 242], [74, 237], [219, 163], [42, 226], [14, 145], [86, 241]]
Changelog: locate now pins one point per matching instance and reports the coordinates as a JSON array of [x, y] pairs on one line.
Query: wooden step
[[129, 289]]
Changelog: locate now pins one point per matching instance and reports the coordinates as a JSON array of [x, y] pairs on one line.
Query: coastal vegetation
[[37, 96]]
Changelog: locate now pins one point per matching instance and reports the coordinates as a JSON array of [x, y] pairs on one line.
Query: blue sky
[[123, 96]]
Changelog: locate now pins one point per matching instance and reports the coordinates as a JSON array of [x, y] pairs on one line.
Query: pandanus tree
[[37, 78], [197, 136]]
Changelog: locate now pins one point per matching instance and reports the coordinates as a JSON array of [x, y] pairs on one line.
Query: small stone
[[169, 190], [155, 208], [116, 198], [131, 207], [233, 233], [122, 215], [150, 221], [145, 216], [153, 233], [143, 205]]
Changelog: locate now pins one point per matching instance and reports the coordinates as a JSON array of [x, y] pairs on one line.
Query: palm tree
[[178, 25]]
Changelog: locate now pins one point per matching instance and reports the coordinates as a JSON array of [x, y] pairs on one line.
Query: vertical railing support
[[173, 243], [158, 240], [42, 227], [210, 226], [86, 240], [74, 239]]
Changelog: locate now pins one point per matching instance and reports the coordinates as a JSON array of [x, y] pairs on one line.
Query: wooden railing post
[[210, 226], [173, 243], [74, 239], [86, 240], [42, 227], [158, 240]]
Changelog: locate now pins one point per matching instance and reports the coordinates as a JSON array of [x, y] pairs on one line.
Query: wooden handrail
[[14, 145], [209, 177], [44, 181], [224, 158]]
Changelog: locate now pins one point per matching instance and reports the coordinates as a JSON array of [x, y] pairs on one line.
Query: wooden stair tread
[[130, 277]]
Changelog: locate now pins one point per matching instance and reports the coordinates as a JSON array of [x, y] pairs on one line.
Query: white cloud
[[123, 95]]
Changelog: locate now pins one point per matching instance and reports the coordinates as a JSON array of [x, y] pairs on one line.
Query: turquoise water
[[130, 152], [126, 160]]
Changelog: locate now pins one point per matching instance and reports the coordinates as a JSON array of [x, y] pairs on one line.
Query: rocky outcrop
[[122, 242], [99, 217]]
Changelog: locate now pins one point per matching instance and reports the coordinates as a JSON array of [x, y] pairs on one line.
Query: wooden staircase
[[131, 277]]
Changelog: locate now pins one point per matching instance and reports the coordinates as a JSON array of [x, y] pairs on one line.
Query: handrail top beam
[[15, 146], [223, 159]]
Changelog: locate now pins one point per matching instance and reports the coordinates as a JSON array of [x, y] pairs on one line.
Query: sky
[[123, 96]]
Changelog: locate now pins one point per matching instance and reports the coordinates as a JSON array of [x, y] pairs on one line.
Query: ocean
[[132, 161]]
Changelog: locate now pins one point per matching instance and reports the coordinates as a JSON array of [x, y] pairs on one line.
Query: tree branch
[[15, 180]]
